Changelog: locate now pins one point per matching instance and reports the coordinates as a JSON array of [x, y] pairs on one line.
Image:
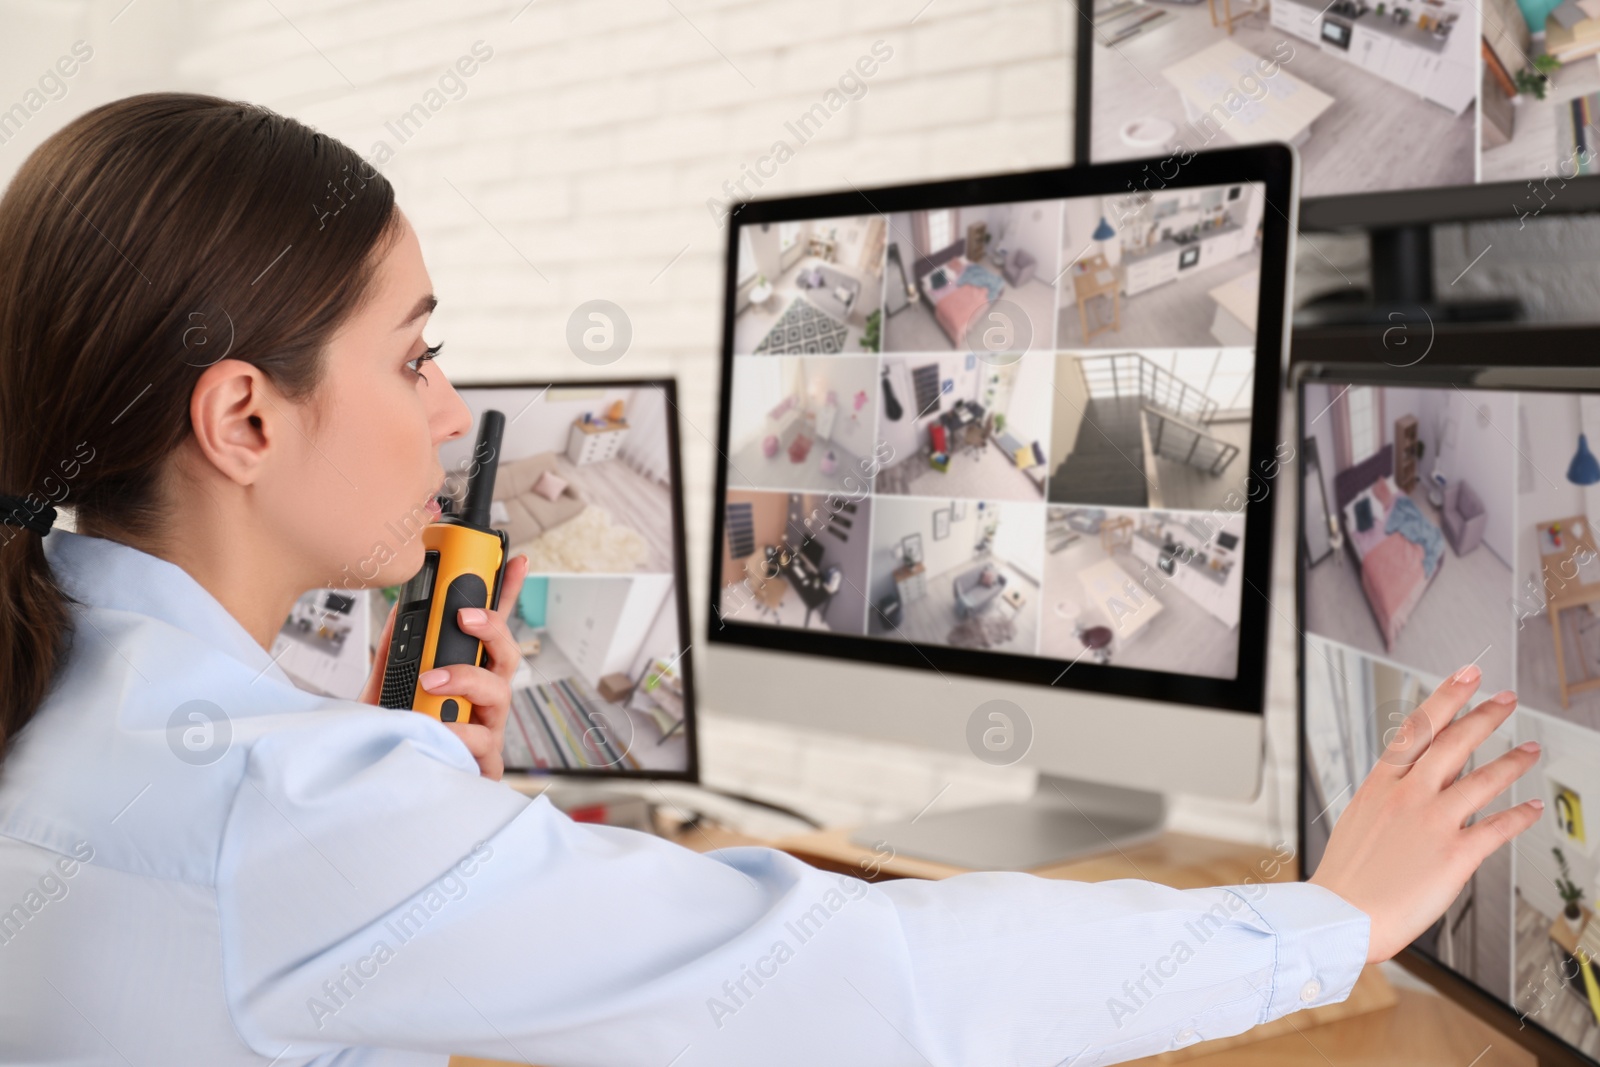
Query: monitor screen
[[1375, 95], [1444, 522], [588, 487], [1007, 435]]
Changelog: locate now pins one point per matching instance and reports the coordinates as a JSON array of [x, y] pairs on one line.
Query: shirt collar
[[109, 574]]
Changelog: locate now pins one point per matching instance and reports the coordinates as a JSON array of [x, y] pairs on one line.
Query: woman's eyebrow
[[424, 307]]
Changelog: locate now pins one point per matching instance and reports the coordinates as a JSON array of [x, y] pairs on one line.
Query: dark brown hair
[[143, 242]]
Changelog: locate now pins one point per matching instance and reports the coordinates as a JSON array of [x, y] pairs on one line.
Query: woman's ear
[[237, 416]]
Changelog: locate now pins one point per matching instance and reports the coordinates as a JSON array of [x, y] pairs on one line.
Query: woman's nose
[[450, 417]]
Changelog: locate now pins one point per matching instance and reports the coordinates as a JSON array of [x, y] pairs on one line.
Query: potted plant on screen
[[869, 336], [1536, 79], [1570, 892]]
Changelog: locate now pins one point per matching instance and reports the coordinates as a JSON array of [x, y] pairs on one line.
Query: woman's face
[[370, 467]]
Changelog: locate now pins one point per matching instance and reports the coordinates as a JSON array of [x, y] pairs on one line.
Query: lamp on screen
[[1584, 468]]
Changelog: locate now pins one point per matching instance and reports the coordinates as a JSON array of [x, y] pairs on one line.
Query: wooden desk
[[1098, 279], [1376, 1026], [1565, 589]]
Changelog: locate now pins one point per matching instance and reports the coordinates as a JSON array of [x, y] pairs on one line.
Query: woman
[[210, 348]]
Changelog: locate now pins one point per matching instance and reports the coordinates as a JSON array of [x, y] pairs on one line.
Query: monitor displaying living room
[[588, 488], [1073, 492], [1377, 95], [974, 483], [1447, 518]]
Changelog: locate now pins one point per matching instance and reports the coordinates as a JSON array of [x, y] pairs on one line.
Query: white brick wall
[[590, 142]]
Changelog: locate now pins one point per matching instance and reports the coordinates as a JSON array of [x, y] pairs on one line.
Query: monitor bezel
[[680, 577], [1273, 167], [1477, 358]]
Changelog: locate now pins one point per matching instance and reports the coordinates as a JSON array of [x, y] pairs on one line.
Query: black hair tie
[[14, 511]]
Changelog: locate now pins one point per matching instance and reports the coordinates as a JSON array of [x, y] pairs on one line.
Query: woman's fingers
[[501, 654], [1477, 790], [1416, 735], [483, 687], [1445, 758], [1486, 835], [484, 746], [511, 586]]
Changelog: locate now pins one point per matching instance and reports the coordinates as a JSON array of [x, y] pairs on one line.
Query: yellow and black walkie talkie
[[463, 568]]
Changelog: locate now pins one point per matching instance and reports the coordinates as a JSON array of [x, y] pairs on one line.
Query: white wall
[[1482, 455], [646, 594], [661, 640], [1080, 217], [846, 375], [894, 518], [1019, 537], [1071, 397], [1032, 399], [645, 449], [1035, 226]]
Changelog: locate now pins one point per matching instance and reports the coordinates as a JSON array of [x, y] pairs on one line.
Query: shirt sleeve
[[374, 890]]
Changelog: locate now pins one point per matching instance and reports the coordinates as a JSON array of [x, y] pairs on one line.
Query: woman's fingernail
[[436, 677], [1536, 804], [1505, 696], [1529, 746], [1468, 675], [472, 616]]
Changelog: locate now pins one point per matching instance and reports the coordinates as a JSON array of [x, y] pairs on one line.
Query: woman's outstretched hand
[[1400, 852], [488, 688]]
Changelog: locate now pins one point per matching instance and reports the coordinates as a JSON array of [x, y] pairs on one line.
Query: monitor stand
[[1402, 293], [1065, 818]]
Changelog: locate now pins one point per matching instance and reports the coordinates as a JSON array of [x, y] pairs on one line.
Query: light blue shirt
[[311, 880]]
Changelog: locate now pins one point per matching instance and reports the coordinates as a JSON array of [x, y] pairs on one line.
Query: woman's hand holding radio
[[487, 688]]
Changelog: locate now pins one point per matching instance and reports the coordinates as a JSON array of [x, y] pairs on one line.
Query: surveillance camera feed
[[1444, 526], [1021, 428], [587, 489]]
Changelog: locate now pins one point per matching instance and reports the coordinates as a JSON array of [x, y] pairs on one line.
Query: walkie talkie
[[463, 568]]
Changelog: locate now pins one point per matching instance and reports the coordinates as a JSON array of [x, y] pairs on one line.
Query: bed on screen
[[1398, 550], [957, 289]]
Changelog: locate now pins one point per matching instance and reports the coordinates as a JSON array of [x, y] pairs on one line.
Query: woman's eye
[[428, 353]]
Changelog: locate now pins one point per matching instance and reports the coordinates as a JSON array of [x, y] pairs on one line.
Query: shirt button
[[1309, 991], [1186, 1034]]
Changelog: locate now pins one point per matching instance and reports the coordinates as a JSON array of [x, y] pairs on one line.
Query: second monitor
[[1015, 429]]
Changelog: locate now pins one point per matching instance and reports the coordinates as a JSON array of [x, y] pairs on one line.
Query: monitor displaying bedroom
[[1448, 518], [949, 435], [589, 489]]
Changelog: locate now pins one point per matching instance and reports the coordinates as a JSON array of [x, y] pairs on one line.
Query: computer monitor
[[1406, 115], [995, 458], [589, 488], [1378, 96], [1446, 518]]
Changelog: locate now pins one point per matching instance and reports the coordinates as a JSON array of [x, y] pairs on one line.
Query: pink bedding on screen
[[1391, 575], [958, 308]]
